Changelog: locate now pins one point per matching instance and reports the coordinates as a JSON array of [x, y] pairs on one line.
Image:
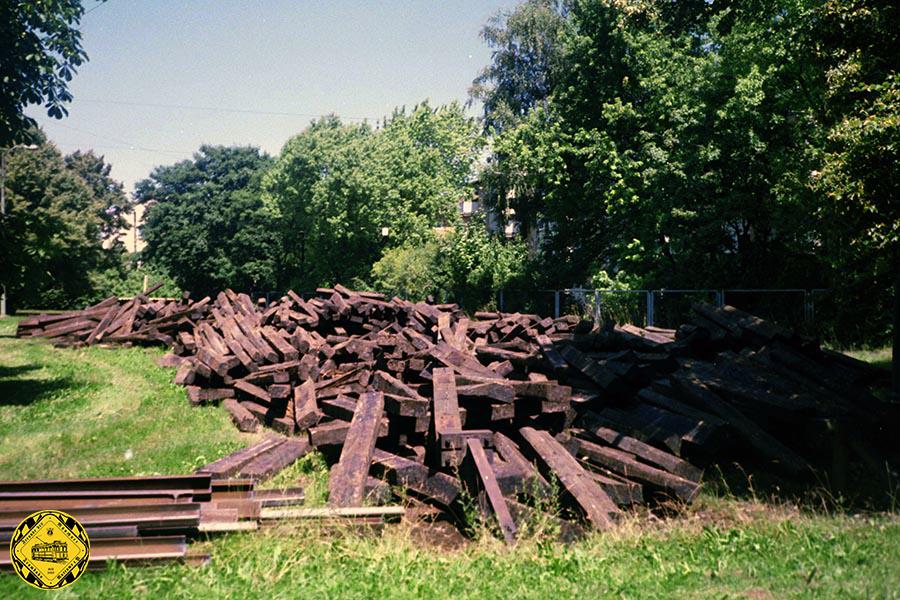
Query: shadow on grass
[[15, 391], [849, 489], [6, 372]]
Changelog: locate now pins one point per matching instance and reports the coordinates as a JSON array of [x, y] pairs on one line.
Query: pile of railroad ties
[[508, 409]]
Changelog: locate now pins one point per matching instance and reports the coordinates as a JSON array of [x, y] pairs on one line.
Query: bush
[[127, 279], [467, 266], [411, 272]]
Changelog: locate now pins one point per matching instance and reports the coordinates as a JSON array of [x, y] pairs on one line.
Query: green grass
[[66, 413], [99, 412], [880, 357]]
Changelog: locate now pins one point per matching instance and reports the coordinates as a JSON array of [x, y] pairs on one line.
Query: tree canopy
[[344, 193], [205, 224], [660, 143], [51, 240], [40, 46]]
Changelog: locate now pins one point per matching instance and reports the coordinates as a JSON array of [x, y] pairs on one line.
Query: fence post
[[501, 300], [807, 306], [649, 308], [597, 306], [720, 298], [556, 304]]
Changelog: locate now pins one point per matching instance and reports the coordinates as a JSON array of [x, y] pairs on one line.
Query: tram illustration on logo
[[56, 551]]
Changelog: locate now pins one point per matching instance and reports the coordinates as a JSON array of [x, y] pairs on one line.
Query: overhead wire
[[223, 109]]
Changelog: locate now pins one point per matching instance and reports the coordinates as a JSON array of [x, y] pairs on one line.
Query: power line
[[90, 10], [125, 144], [131, 148], [221, 109]]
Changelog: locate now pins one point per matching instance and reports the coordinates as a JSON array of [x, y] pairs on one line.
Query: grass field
[[880, 357], [98, 412]]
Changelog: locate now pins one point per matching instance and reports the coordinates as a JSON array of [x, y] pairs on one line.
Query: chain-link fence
[[794, 308]]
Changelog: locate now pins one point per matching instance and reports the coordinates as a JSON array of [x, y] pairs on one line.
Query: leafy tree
[[675, 145], [327, 224], [126, 278], [41, 48], [525, 60], [112, 202], [205, 223], [338, 189], [411, 271], [51, 238], [465, 265], [860, 220], [478, 265]]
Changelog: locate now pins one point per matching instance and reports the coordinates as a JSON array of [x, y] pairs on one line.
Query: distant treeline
[[638, 144]]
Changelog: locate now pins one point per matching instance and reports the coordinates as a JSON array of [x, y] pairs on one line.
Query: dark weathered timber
[[583, 490], [446, 404], [767, 445], [391, 385], [623, 492], [482, 477], [276, 459], [648, 453], [198, 395], [229, 466], [445, 418], [557, 362], [604, 378], [342, 407], [405, 406], [434, 486], [329, 433], [347, 482], [625, 464], [253, 391], [306, 410], [500, 392], [242, 418], [677, 406]]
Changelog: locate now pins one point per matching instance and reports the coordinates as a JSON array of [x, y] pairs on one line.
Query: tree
[[41, 48], [51, 241], [859, 175], [344, 193], [676, 144], [464, 265], [525, 60], [327, 225], [205, 224], [112, 202]]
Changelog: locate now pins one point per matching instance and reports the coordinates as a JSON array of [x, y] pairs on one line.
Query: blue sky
[[303, 57]]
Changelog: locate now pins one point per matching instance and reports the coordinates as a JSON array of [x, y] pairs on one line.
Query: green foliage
[[205, 223], [41, 48], [466, 265], [336, 189], [698, 144], [110, 196], [656, 154], [859, 179], [525, 60], [52, 232], [410, 271], [478, 264], [127, 278]]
